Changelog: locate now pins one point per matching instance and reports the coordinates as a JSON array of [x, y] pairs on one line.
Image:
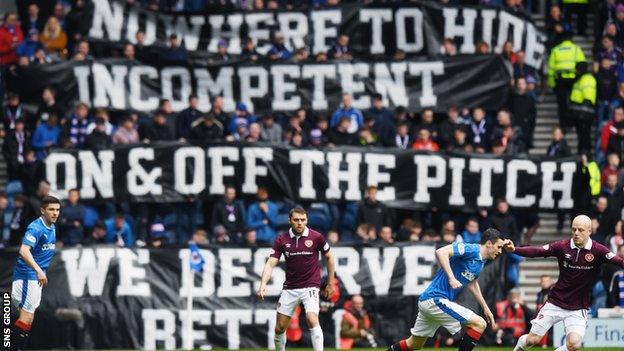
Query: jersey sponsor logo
[[308, 243], [31, 238], [46, 247], [468, 275], [567, 265], [589, 257], [461, 248], [610, 255]]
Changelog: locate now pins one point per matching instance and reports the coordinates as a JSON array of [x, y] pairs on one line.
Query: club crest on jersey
[[589, 257], [308, 243], [468, 275]]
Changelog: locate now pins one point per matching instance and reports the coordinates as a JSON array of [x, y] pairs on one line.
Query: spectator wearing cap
[[340, 50], [187, 117], [317, 139], [373, 212], [78, 123], [30, 45], [175, 53], [346, 109], [222, 52], [271, 132], [158, 235], [118, 231], [207, 129], [46, 135], [98, 139], [157, 130], [241, 115], [279, 51], [126, 133], [249, 51], [11, 36], [14, 148]]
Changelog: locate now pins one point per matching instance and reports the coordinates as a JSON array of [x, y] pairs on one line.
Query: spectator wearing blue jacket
[[46, 135], [71, 219], [30, 45], [279, 51], [241, 115], [471, 233], [262, 216], [118, 231], [347, 109]]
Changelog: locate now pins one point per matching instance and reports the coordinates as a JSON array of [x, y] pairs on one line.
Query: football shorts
[[291, 298], [26, 294], [573, 320], [435, 313]]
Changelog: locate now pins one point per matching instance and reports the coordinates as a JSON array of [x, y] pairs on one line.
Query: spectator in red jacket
[[609, 129], [424, 142], [10, 37]]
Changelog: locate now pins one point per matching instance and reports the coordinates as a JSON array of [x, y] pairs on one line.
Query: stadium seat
[[13, 188], [319, 217], [90, 217]]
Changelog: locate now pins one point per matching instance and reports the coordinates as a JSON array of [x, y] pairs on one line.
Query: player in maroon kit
[[300, 246], [579, 259]]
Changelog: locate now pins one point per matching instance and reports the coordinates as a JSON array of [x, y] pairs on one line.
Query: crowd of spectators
[[59, 32]]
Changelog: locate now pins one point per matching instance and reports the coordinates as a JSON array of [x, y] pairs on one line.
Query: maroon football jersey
[[303, 269], [578, 269]]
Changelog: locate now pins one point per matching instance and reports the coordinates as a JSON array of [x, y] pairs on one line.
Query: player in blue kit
[[29, 276], [460, 265]]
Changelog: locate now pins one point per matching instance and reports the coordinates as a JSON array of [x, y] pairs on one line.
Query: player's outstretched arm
[[609, 256], [266, 275], [530, 251], [475, 289], [443, 255], [27, 256], [331, 275]]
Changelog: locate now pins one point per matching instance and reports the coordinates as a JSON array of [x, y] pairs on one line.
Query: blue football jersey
[[42, 240], [466, 264]]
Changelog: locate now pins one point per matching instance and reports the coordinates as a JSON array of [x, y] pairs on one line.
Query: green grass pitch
[[445, 349]]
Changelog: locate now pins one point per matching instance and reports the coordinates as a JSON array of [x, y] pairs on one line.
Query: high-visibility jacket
[[584, 89], [595, 186], [562, 61], [575, 2]]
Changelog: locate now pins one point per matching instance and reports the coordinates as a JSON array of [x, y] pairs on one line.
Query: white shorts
[[434, 313], [290, 299], [573, 320], [26, 294]]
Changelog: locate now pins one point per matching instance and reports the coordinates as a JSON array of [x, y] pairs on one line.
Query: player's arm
[[331, 269], [443, 255], [27, 256], [530, 251], [266, 275], [610, 257], [475, 289]]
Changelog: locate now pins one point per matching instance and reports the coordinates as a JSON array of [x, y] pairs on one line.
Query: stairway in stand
[[531, 269]]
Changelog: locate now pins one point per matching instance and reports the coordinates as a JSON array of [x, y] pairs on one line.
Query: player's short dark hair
[[298, 210], [120, 215], [49, 200], [490, 234]]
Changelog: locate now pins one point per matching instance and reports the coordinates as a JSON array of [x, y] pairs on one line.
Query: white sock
[[521, 345], [280, 342], [317, 338], [562, 348]]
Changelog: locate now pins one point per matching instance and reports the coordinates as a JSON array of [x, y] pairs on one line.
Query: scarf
[[478, 130]]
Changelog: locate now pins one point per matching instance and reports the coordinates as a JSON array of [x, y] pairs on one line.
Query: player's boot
[[19, 335], [399, 346]]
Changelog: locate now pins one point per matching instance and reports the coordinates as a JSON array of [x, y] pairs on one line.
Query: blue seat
[[319, 216], [348, 220]]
